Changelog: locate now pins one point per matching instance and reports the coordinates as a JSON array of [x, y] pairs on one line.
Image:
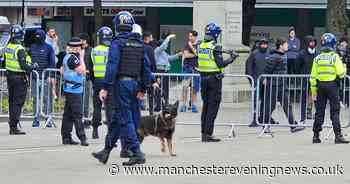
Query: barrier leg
[[266, 130], [232, 133]]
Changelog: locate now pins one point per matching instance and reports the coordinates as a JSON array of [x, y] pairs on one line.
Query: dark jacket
[[150, 54], [256, 63], [293, 48], [305, 60], [277, 65], [344, 54], [87, 61], [42, 53]]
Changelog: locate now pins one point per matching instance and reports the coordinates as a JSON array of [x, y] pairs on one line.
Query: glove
[[35, 66], [234, 55]]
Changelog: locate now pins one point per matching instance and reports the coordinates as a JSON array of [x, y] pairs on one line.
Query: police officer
[[17, 64], [211, 67], [276, 89], [73, 71], [128, 72], [98, 68], [327, 68]]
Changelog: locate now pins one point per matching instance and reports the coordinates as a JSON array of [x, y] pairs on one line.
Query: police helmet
[[123, 21], [213, 30], [105, 35], [328, 40], [17, 33]]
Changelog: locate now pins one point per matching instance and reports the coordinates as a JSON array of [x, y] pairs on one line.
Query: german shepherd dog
[[161, 125]]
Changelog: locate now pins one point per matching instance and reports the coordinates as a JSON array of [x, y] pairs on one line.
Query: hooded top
[[41, 52], [305, 57]]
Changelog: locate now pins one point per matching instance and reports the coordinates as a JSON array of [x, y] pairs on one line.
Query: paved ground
[[40, 158]]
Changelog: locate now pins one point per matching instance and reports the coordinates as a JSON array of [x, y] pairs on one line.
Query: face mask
[[263, 50], [311, 50]]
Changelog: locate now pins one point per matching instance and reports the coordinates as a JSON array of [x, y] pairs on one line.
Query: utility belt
[[127, 78], [208, 75], [16, 73]]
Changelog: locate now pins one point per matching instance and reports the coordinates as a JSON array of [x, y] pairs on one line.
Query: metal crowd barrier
[[290, 95], [28, 110], [52, 97], [237, 97]]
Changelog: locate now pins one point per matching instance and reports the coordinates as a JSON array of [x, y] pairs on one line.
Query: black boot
[[95, 133], [69, 141], [339, 139], [296, 128], [16, 131], [316, 139], [126, 154], [103, 155], [209, 138], [253, 124], [83, 142], [139, 158]]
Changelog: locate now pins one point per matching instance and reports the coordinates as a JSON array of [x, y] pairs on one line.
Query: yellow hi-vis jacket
[[206, 60], [12, 63], [99, 57], [327, 66]]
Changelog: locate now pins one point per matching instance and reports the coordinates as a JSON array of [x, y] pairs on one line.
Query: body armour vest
[[132, 58]]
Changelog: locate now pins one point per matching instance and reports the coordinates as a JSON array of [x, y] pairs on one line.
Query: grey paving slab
[[39, 157]]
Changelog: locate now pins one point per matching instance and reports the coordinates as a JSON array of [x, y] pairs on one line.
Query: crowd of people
[[327, 67]]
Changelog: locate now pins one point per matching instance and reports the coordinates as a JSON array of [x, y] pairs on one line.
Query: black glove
[[234, 55]]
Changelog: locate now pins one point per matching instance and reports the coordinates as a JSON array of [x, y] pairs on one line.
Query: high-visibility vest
[[99, 57], [326, 67], [206, 60], [12, 63]]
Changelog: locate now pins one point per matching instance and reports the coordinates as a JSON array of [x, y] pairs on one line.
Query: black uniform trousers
[[97, 114], [327, 91], [211, 89], [17, 85], [73, 115], [274, 93]]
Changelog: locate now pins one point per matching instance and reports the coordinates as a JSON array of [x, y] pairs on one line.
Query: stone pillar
[[228, 15]]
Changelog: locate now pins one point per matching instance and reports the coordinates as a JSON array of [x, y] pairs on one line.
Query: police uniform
[[128, 74], [99, 59], [327, 68], [73, 90], [211, 66], [17, 64]]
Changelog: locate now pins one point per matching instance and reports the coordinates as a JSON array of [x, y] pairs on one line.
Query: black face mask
[[262, 50]]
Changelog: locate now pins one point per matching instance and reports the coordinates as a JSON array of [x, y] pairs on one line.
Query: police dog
[[161, 125]]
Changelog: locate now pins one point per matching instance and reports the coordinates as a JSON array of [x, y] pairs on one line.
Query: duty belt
[[126, 78]]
